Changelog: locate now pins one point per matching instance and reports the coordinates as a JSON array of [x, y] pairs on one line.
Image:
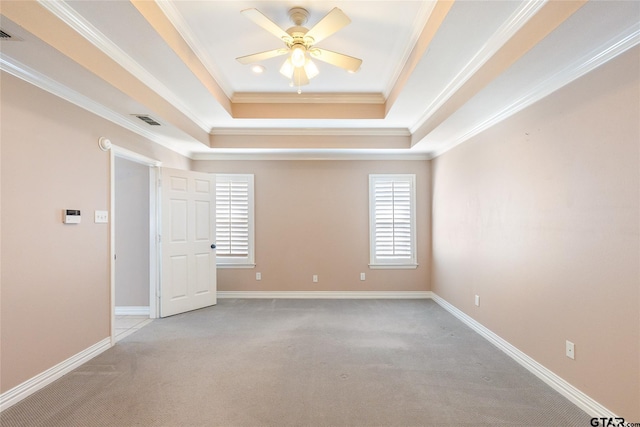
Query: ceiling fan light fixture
[[287, 68], [300, 44], [300, 78], [311, 69], [298, 56]]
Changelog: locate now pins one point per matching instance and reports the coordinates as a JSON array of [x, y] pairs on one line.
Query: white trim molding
[[393, 266], [132, 311], [420, 20], [21, 391], [326, 294], [29, 75], [624, 41], [560, 385], [83, 27], [314, 155], [135, 157], [567, 390], [506, 31], [311, 131], [173, 14], [307, 98], [230, 266]]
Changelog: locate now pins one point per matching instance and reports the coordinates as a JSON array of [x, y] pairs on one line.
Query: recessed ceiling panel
[[381, 33]]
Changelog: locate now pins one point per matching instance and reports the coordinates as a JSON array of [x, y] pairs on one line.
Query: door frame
[[154, 231]]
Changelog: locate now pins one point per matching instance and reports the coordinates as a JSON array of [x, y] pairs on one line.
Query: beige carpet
[[300, 363]]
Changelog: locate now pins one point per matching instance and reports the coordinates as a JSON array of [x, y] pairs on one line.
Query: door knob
[[213, 246]]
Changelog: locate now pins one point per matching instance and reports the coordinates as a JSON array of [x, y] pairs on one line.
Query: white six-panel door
[[188, 278]]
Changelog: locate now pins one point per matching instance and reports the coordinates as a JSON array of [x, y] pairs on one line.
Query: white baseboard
[[132, 311], [326, 294], [19, 392], [580, 399]]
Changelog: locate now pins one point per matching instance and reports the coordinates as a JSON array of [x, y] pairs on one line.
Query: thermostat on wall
[[71, 216]]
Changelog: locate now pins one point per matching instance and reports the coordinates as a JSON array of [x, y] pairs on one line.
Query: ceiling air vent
[[148, 120], [4, 36]]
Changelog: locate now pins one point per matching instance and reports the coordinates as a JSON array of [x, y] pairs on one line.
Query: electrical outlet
[[362, 276], [570, 350], [101, 217], [477, 300], [258, 276], [315, 278]]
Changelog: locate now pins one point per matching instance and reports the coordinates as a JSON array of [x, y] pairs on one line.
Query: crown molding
[[616, 46], [73, 19], [302, 154], [306, 98], [525, 12], [418, 25], [45, 83], [175, 17], [311, 131]]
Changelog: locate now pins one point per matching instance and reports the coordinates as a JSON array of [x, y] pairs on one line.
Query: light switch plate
[[101, 217]]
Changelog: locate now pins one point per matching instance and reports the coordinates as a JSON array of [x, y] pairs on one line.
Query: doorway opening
[[134, 241]]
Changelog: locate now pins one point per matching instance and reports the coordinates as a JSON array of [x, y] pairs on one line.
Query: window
[[234, 220], [392, 221]]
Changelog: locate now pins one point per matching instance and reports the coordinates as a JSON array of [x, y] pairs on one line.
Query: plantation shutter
[[392, 219], [234, 222]]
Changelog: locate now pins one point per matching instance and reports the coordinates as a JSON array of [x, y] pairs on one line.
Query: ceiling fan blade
[[347, 62], [332, 22], [256, 57], [300, 77], [256, 16]]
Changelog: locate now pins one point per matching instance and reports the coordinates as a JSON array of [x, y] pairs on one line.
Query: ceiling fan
[[300, 44]]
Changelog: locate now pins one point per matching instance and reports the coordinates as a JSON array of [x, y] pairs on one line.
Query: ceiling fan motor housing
[[298, 37], [298, 15]]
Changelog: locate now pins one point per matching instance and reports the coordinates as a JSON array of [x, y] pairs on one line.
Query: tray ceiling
[[434, 73]]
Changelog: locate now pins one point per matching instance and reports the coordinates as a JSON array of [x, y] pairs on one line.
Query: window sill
[[235, 266], [393, 266]]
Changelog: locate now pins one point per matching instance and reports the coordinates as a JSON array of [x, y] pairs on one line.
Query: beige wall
[[55, 277], [312, 217], [131, 233], [539, 216]]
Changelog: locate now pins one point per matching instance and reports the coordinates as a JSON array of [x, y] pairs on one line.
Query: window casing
[[392, 220], [234, 221]]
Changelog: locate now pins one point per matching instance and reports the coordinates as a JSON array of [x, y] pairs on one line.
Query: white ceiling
[[427, 82]]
